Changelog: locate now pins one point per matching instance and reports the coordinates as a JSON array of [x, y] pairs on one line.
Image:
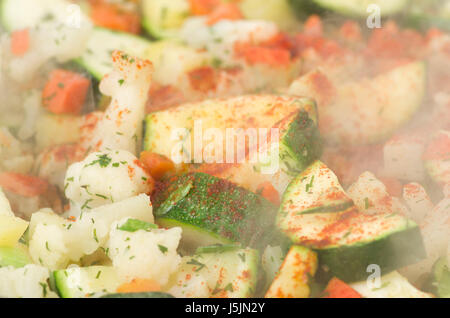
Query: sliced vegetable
[[112, 16], [366, 111], [441, 277], [16, 256], [24, 185], [278, 11], [65, 92], [163, 18], [225, 11], [80, 282], [391, 285], [315, 190], [211, 210], [139, 285], [297, 144], [292, 281], [267, 190], [217, 248], [226, 274], [336, 288], [11, 229], [102, 42], [156, 164], [347, 241], [20, 42], [359, 9]]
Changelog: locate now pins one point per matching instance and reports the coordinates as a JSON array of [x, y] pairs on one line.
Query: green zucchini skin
[[350, 263], [304, 8], [303, 141], [440, 278], [14, 256], [138, 295], [216, 206]]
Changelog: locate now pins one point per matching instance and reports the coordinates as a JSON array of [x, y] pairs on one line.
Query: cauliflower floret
[[197, 287], [417, 200], [435, 229], [221, 38], [371, 196], [47, 239], [128, 86], [26, 282], [51, 40], [55, 241], [105, 177], [144, 254]]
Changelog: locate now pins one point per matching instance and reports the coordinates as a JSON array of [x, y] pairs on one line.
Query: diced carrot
[[226, 11], [65, 92], [351, 31], [267, 190], [338, 289], [156, 164], [203, 7], [313, 26], [139, 285], [24, 185], [114, 17], [433, 33], [20, 42], [255, 54], [203, 79]]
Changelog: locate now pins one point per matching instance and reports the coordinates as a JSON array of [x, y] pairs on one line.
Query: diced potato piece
[[11, 229]]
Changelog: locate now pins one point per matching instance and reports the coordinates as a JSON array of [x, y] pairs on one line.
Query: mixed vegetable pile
[[106, 192]]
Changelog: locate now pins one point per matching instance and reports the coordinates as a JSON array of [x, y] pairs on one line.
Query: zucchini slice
[[367, 111], [102, 42], [16, 256], [441, 277], [295, 118], [347, 240], [358, 8], [211, 211], [392, 285], [11, 229], [278, 11], [79, 282], [231, 274], [163, 18], [292, 281], [426, 14], [316, 190]]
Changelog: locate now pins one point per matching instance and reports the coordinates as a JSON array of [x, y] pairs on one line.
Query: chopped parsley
[[133, 225], [103, 161], [196, 263], [163, 249], [95, 235]]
